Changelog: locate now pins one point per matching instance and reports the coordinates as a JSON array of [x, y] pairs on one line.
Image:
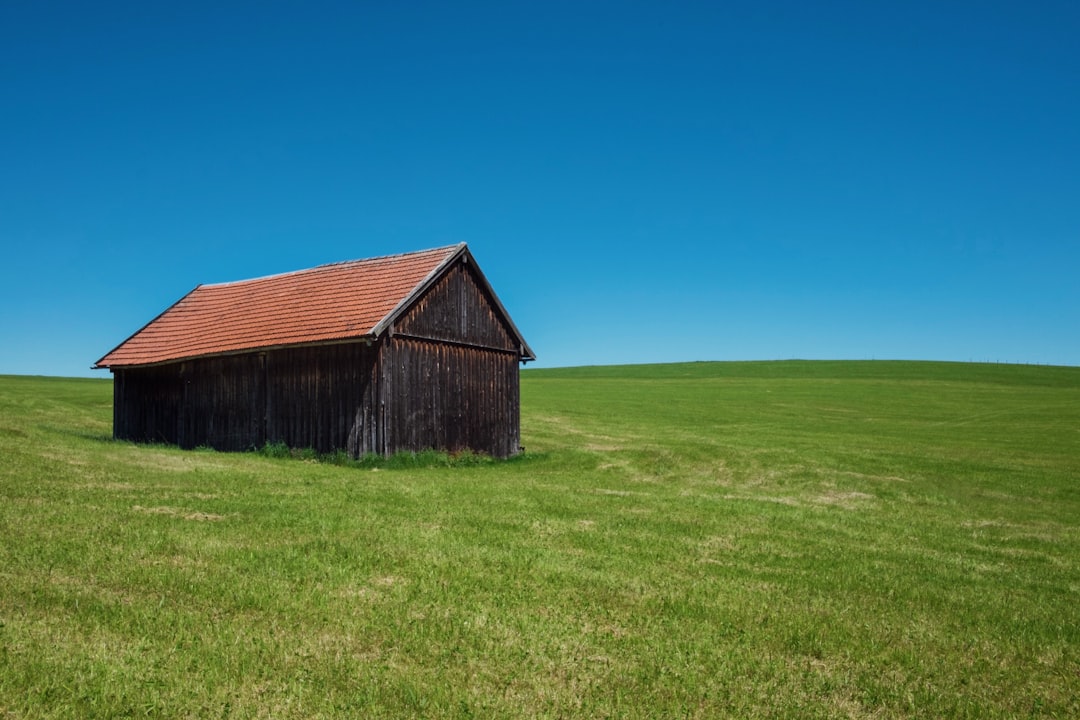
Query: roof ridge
[[339, 263]]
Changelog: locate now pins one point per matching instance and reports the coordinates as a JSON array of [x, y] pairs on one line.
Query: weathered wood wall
[[317, 397], [449, 373], [322, 397], [449, 397], [221, 403], [146, 404], [444, 377]]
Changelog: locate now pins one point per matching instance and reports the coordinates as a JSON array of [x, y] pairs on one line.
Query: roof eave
[[100, 365], [367, 337]]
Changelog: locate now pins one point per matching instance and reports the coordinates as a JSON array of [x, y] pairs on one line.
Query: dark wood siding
[[213, 402], [322, 398], [221, 405], [437, 395], [456, 309], [317, 397], [146, 404]]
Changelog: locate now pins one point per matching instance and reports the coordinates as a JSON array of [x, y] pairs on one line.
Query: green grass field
[[788, 539]]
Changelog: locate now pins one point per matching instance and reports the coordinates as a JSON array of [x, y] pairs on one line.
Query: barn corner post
[[316, 359]]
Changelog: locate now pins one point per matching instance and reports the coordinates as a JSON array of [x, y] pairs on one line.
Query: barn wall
[[146, 404], [322, 398], [317, 397], [449, 397], [212, 402], [221, 403]]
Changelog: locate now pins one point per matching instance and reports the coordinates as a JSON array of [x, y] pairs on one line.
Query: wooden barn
[[399, 353]]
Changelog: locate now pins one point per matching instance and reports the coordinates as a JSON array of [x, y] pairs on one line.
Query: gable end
[[459, 306], [456, 309]]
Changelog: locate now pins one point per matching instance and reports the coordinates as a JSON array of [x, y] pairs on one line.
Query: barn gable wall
[[449, 372], [457, 309]]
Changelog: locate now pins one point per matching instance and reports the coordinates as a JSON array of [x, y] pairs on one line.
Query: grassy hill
[[789, 539]]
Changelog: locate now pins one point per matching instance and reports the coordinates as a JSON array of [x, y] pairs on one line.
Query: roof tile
[[329, 302]]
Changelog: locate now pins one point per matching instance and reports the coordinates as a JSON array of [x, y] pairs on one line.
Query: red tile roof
[[330, 302]]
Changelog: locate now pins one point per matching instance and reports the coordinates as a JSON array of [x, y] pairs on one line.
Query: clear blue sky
[[640, 181]]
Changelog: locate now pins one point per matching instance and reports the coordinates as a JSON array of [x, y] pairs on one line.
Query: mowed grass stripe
[[793, 539]]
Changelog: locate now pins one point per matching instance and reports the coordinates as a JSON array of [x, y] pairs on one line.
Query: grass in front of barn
[[743, 539]]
